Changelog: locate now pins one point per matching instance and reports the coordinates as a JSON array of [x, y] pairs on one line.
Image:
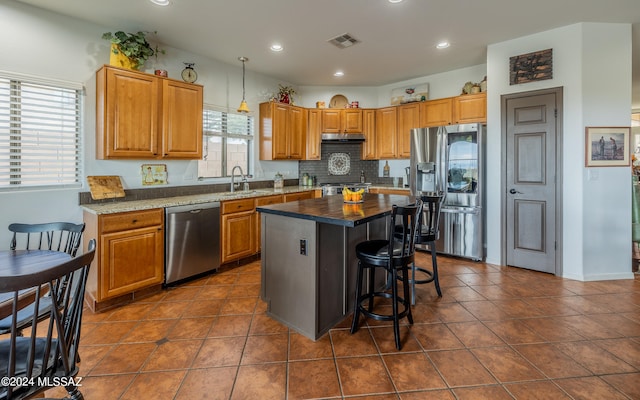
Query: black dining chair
[[56, 236], [391, 255], [426, 235], [49, 353]]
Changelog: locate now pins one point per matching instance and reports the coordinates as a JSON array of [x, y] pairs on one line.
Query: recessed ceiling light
[[443, 45], [338, 73], [395, 1], [276, 47], [161, 2]]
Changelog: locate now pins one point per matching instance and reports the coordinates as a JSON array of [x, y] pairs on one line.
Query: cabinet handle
[[134, 221]]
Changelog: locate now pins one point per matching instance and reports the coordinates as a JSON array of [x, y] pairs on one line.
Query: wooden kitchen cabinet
[[282, 131], [462, 109], [314, 135], [143, 116], [408, 118], [470, 108], [287, 197], [347, 120], [386, 128], [238, 229], [369, 131], [129, 255]]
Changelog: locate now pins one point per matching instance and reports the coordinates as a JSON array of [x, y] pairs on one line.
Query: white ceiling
[[397, 40]]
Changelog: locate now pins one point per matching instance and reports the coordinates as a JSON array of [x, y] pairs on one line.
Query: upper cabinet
[[314, 132], [408, 118], [386, 128], [454, 110], [348, 120], [369, 132], [143, 116], [283, 130]]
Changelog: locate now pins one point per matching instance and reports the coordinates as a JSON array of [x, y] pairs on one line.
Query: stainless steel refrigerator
[[449, 160]]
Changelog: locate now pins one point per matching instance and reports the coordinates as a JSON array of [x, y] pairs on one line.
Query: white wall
[[596, 92]]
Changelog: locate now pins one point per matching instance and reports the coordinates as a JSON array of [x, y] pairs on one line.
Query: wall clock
[[189, 75]]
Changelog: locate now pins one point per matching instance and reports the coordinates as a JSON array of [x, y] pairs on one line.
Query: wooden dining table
[[21, 263]]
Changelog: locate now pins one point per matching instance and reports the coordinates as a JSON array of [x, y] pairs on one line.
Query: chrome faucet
[[233, 176]]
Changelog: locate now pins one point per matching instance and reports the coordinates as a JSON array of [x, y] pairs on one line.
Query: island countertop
[[333, 210]]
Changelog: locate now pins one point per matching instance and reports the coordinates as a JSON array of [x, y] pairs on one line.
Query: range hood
[[342, 138]]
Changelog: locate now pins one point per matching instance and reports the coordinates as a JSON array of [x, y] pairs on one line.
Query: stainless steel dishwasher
[[192, 240]]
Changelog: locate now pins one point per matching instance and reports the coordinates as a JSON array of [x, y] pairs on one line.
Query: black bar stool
[[426, 235], [391, 255]]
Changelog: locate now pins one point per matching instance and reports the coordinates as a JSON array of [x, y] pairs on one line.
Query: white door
[[531, 164]]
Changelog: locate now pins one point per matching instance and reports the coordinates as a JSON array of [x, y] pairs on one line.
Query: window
[[228, 142], [39, 133]]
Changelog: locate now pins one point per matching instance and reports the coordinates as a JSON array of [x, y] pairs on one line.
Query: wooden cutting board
[[105, 187]]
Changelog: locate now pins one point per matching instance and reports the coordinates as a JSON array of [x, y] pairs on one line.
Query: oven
[[330, 189]]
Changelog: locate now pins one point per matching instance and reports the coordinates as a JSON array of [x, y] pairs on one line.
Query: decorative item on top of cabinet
[[143, 116], [130, 50], [283, 131]]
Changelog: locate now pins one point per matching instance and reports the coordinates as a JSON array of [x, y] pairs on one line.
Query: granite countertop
[[137, 205], [333, 210]]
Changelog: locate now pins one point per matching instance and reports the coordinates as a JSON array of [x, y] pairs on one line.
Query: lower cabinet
[[129, 255], [298, 196], [403, 192], [238, 229]]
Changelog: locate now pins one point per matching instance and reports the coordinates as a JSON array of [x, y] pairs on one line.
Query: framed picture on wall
[[607, 146]]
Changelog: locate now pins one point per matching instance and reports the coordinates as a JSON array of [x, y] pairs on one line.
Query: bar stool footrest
[[382, 317]]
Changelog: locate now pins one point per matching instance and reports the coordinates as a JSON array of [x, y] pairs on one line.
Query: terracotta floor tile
[[507, 365], [263, 324], [90, 356], [104, 387], [249, 278], [424, 314], [589, 328], [150, 331], [625, 383], [625, 349], [618, 323], [475, 334], [312, 380], [485, 310], [552, 329], [220, 352], [224, 278], [173, 355], [460, 368], [240, 305], [154, 385], [541, 390], [303, 348], [363, 376], [514, 331], [590, 388], [385, 339], [124, 358], [435, 337], [550, 306], [346, 344], [108, 333], [131, 312], [482, 393], [204, 308], [230, 325], [215, 292], [516, 308], [181, 293], [168, 310], [265, 348], [428, 395], [413, 371], [208, 383], [264, 382], [191, 328], [551, 361], [594, 358], [245, 290], [453, 312], [464, 293]]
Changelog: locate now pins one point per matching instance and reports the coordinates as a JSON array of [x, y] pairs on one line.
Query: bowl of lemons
[[352, 196]]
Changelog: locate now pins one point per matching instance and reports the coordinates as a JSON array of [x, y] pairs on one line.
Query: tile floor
[[497, 333]]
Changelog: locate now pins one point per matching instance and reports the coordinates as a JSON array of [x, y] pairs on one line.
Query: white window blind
[[227, 142], [39, 134]]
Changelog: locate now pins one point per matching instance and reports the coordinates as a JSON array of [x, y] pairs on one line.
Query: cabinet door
[[369, 132], [470, 108], [314, 132], [332, 121], [436, 112], [182, 120], [386, 126], [299, 196], [130, 260], [127, 114], [408, 118], [352, 120], [280, 117], [297, 129], [238, 235]]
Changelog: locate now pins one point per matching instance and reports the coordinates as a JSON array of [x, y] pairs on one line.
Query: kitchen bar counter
[[308, 257]]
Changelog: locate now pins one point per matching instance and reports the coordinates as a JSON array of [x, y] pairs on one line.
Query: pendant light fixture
[[243, 105]]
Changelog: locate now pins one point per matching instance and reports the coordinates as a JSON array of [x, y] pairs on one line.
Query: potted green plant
[[133, 46]]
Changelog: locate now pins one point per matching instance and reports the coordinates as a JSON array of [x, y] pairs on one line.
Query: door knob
[[513, 191]]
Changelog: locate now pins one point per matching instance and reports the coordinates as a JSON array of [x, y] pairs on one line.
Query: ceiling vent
[[343, 41]]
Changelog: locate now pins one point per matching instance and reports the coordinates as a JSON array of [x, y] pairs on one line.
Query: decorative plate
[[338, 101], [339, 164]]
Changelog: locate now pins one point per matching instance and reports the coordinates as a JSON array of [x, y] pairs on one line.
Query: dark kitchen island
[[309, 261]]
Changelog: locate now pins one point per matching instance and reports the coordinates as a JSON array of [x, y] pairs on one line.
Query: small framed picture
[[607, 146]]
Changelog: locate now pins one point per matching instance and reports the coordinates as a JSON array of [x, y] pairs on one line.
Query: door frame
[[557, 91]]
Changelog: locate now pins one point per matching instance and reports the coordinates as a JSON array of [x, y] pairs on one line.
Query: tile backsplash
[[320, 168]]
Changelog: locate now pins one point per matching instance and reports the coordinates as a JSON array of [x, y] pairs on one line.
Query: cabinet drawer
[[237, 205], [266, 200], [131, 220], [298, 196]]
